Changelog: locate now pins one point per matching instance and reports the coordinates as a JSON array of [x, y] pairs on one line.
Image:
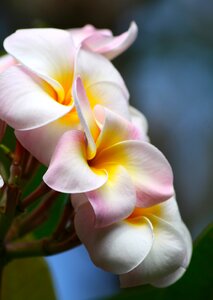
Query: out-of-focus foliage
[[27, 279], [195, 284]]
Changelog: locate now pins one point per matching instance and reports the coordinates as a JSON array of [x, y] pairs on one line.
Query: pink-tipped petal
[[6, 61], [25, 104], [139, 120], [94, 68], [69, 171], [147, 167], [110, 46], [80, 34], [118, 248], [46, 51], [86, 116], [166, 256], [115, 128], [115, 200], [41, 142]]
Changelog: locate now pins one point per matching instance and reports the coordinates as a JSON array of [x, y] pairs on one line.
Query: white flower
[[151, 246]]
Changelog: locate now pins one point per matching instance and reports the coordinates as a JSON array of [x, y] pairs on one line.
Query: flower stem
[[41, 190], [22, 226], [30, 166], [65, 218], [43, 247]]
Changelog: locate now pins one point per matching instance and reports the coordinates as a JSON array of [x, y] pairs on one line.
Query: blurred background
[[169, 73]]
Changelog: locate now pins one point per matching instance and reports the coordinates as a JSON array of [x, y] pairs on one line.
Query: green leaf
[[196, 284], [27, 279]]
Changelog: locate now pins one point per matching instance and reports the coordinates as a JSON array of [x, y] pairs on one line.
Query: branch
[[41, 190], [30, 166], [20, 227], [65, 218], [43, 247], [8, 209]]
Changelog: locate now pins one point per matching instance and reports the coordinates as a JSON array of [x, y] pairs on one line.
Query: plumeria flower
[[152, 246], [102, 40], [1, 182], [109, 163], [139, 121], [6, 61], [36, 94]]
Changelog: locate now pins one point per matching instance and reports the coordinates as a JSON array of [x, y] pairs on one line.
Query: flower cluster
[[70, 109]]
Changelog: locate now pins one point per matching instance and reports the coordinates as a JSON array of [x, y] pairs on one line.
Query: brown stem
[[43, 247], [30, 166], [7, 212], [64, 245], [16, 168], [18, 153], [41, 190], [9, 200], [33, 220], [67, 213]]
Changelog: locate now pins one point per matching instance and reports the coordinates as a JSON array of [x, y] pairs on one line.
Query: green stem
[[6, 151]]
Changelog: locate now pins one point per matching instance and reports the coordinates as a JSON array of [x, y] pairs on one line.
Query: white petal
[[69, 171], [1, 182], [166, 256], [86, 116], [80, 34], [46, 51], [177, 274], [117, 248], [94, 68], [25, 101], [6, 61], [114, 128], [116, 199], [110, 95], [111, 46], [168, 211], [147, 167], [169, 279], [41, 142], [139, 120]]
